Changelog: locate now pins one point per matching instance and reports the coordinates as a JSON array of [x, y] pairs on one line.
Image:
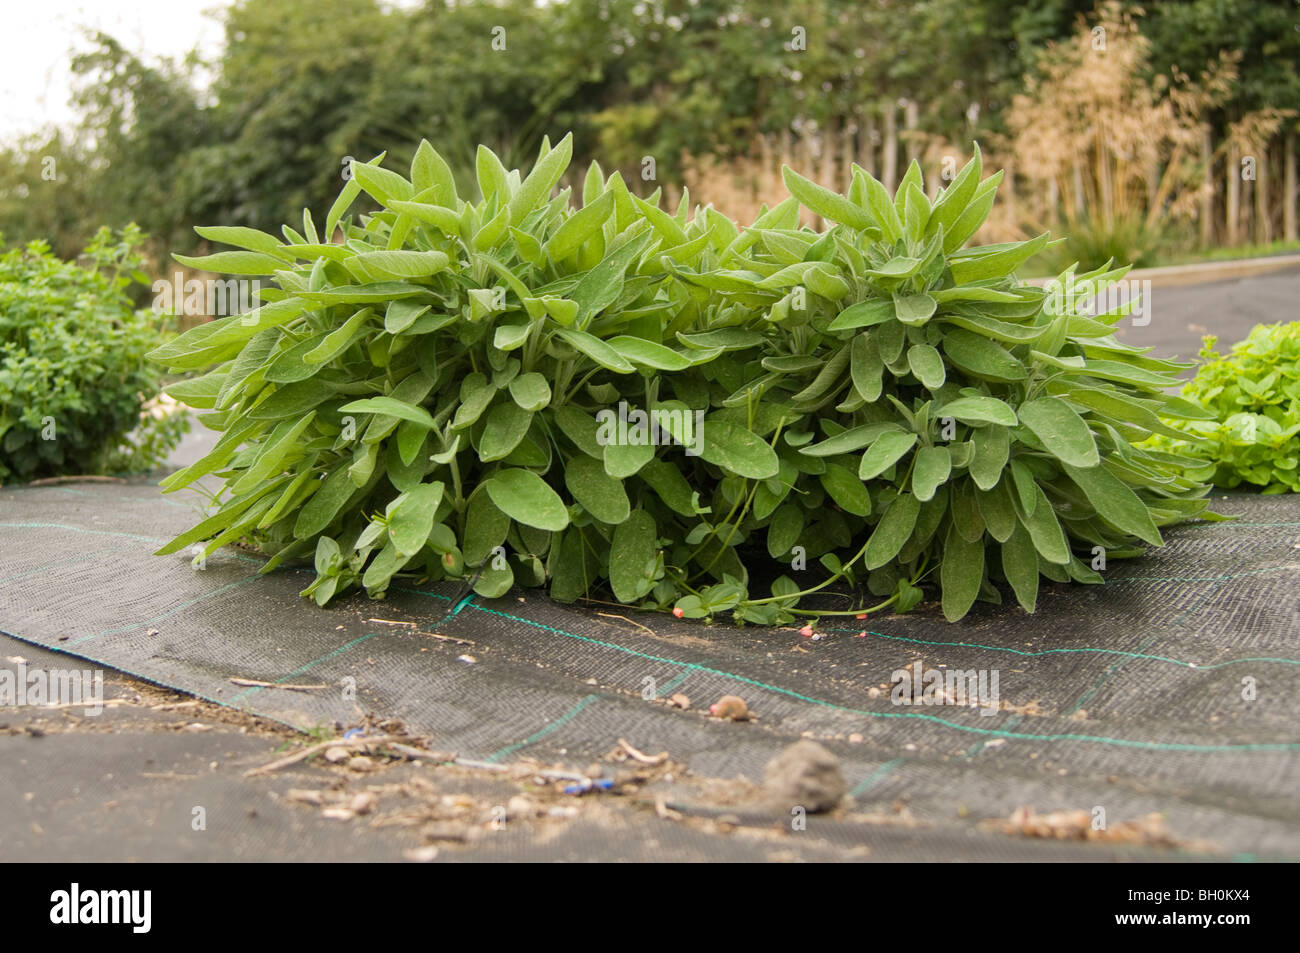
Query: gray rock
[[804, 775]]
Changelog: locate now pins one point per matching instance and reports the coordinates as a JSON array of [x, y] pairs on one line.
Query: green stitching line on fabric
[[875, 776], [82, 529], [981, 746], [108, 532], [1226, 577], [1204, 523], [995, 732], [298, 671], [1105, 677], [173, 611], [421, 592], [673, 683], [999, 648], [560, 722], [66, 562]]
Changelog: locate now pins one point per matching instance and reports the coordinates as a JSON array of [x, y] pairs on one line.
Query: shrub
[[439, 396], [73, 373], [1252, 396]]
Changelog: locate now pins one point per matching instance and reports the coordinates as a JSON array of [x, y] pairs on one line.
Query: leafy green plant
[[1092, 242], [73, 373], [1252, 399], [461, 390]]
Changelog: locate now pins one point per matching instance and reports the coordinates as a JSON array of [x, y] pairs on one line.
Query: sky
[[35, 78]]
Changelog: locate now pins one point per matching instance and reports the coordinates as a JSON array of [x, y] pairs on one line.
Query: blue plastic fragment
[[596, 784]]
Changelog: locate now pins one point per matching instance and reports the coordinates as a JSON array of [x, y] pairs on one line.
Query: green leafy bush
[[457, 390], [1252, 396], [73, 373]]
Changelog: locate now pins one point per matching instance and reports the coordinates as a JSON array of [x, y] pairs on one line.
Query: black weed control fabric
[[1172, 688]]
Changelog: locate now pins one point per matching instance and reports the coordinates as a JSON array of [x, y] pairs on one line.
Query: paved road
[[1181, 315]]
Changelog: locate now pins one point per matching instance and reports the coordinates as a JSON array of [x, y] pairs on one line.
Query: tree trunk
[[1289, 192], [1232, 210], [1007, 195], [1263, 213], [1080, 200], [830, 152], [889, 151], [1207, 189], [806, 165], [911, 119], [867, 148], [846, 154]]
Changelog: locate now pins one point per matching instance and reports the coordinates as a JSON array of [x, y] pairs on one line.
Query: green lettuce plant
[[1252, 399], [669, 408]]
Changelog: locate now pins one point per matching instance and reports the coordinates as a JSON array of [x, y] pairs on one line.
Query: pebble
[[806, 775], [730, 706], [363, 803]]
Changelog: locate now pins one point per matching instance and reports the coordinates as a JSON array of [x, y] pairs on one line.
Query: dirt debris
[[1147, 831]]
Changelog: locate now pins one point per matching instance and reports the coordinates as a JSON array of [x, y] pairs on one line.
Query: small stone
[[360, 763], [520, 806], [336, 754], [678, 700], [805, 775], [153, 632], [730, 706], [873, 692], [421, 855], [855, 738], [595, 770], [363, 803]]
